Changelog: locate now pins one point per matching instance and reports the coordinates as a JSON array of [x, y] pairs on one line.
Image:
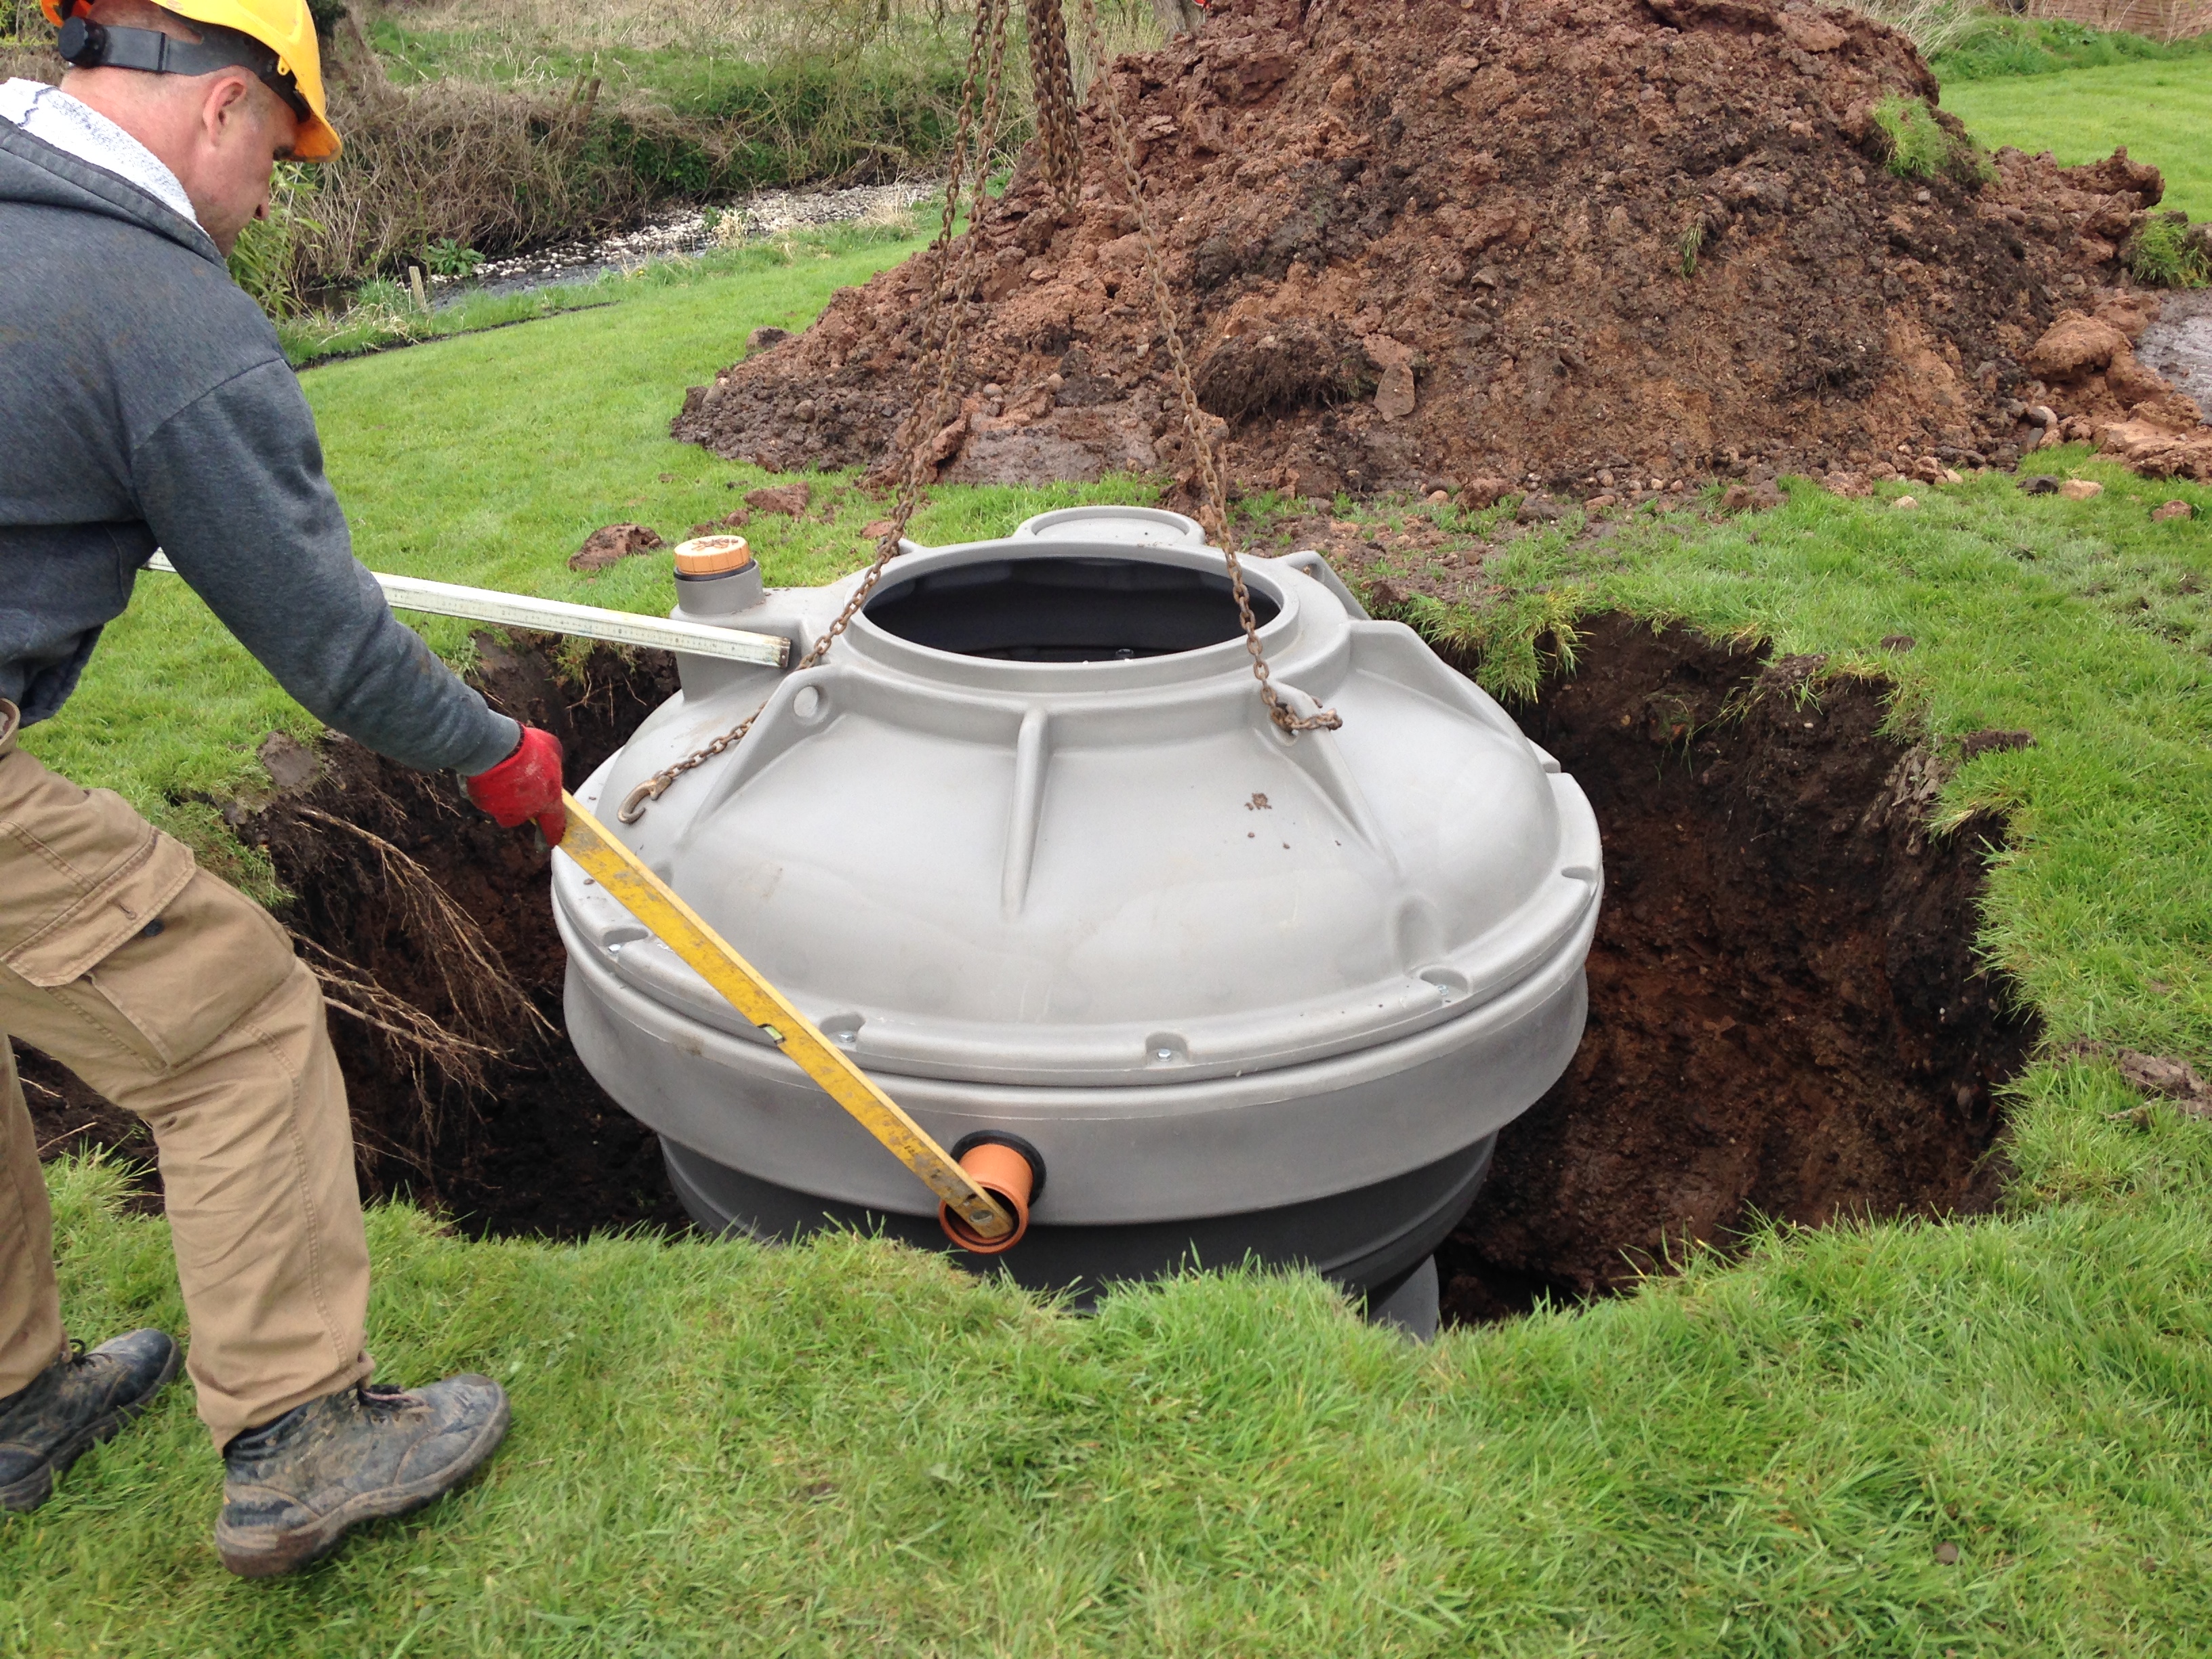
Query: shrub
[[448, 257], [265, 260]]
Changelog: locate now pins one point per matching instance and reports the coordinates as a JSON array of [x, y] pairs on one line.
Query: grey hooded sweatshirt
[[145, 402]]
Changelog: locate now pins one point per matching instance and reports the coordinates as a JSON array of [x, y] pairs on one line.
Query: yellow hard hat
[[286, 27]]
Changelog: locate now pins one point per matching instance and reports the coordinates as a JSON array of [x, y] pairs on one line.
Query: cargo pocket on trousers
[[189, 959]]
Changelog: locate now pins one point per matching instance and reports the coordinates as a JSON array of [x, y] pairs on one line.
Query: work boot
[[292, 1487], [78, 1401]]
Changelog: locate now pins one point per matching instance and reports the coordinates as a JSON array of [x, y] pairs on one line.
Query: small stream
[[683, 233], [2179, 345]]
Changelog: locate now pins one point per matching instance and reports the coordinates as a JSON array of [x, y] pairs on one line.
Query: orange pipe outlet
[[1005, 1173]]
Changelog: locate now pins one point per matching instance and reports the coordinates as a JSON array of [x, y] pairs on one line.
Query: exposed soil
[[67, 1118], [1604, 244], [1786, 1017], [538, 1148]]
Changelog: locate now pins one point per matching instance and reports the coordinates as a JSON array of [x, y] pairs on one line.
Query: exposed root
[[488, 1001], [414, 1039]]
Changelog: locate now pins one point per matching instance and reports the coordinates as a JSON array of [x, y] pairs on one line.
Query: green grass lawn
[[729, 79], [851, 1448], [2161, 111]]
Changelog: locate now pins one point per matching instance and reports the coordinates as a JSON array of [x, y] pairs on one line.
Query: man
[[144, 402]]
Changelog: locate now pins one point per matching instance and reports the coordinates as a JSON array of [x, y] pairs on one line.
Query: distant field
[[737, 59], [2162, 112]]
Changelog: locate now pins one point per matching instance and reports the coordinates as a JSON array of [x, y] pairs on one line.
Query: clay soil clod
[[1655, 239]]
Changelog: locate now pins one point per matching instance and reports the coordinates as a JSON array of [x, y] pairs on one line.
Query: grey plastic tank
[[1029, 847]]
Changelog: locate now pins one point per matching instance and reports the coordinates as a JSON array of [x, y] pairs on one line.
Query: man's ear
[[229, 100]]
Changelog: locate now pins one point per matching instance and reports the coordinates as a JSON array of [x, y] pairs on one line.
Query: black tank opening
[[1065, 609]]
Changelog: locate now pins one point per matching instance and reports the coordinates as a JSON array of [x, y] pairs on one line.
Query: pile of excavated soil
[[2102, 392], [1601, 245]]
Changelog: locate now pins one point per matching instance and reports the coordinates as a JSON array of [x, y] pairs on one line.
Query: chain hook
[[635, 803]]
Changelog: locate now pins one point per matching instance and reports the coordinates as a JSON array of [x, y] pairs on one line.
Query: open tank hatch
[[1059, 609]]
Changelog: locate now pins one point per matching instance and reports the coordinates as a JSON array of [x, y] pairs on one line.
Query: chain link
[[1058, 145], [944, 316], [1213, 509]]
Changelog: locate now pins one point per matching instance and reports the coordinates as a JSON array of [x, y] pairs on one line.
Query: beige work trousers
[[181, 1000]]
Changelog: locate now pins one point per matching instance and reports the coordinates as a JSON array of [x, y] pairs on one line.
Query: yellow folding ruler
[[680, 928]]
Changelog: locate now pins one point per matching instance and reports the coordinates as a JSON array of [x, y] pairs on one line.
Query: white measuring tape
[[556, 616]]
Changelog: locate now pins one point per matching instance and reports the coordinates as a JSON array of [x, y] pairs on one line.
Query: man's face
[[221, 134], [242, 130]]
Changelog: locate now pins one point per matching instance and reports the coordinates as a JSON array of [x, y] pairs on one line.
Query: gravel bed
[[681, 233]]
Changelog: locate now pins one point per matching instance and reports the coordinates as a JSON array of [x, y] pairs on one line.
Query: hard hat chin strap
[[87, 45]]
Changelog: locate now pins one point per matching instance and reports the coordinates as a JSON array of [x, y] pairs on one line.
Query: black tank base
[[1374, 1241]]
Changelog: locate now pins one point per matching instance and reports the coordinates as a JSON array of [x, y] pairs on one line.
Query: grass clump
[[1919, 143], [2168, 252], [1689, 244], [1931, 25], [1512, 642], [265, 259]]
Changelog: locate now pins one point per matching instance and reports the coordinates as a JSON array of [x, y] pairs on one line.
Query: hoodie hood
[[34, 173]]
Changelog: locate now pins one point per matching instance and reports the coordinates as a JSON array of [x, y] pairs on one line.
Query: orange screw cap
[[711, 555]]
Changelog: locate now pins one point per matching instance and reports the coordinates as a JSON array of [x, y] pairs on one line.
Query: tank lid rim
[[1285, 589]]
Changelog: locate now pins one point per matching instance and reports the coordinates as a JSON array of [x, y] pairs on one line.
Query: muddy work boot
[[292, 1487], [78, 1401]]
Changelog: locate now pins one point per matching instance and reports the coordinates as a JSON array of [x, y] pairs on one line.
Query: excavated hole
[[523, 1144], [1786, 1017]]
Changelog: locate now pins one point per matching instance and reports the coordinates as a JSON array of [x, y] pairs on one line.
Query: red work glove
[[526, 785]]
